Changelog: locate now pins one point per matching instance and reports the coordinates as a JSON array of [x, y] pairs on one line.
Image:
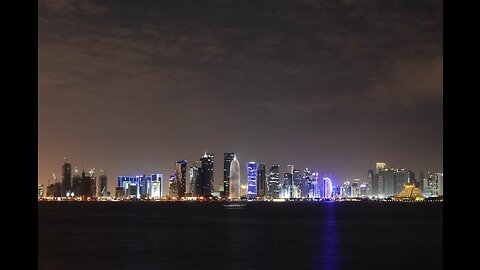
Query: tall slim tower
[[227, 160], [66, 178], [252, 171], [234, 175], [194, 176], [261, 180], [181, 177], [274, 182], [205, 179], [103, 184]]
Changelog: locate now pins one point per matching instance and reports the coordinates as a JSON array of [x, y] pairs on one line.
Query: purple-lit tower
[[252, 169], [327, 188]]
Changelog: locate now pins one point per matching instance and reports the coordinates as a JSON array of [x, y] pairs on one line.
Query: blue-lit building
[[252, 169], [140, 186], [327, 188]]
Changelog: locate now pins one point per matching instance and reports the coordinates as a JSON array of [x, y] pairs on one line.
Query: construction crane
[[54, 177]]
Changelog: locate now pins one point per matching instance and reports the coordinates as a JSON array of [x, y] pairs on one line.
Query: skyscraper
[[205, 179], [273, 189], [287, 186], [103, 185], [261, 180], [315, 185], [157, 186], [227, 160], [252, 171], [234, 176], [181, 177], [194, 176], [401, 178], [389, 181], [370, 183], [439, 180], [306, 184], [66, 178], [172, 186], [327, 188], [297, 181]]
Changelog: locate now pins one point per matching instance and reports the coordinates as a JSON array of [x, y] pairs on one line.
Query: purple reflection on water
[[327, 248]]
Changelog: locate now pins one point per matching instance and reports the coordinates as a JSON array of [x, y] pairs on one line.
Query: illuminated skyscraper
[[252, 171], [205, 179], [355, 187], [401, 178], [181, 177], [227, 160], [40, 191], [389, 181], [261, 180], [370, 183], [287, 186], [273, 188], [297, 181], [194, 176], [439, 180], [234, 178], [66, 178], [103, 185], [315, 187], [306, 184], [157, 186], [327, 188], [172, 186]]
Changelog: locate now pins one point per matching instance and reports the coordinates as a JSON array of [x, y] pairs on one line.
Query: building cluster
[[197, 181], [81, 186], [387, 182]]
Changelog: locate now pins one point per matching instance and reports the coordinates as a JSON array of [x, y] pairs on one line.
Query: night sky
[[131, 87]]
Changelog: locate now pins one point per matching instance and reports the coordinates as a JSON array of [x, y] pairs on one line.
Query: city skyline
[[333, 87]]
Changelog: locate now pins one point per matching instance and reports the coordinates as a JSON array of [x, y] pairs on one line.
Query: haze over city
[[334, 86]]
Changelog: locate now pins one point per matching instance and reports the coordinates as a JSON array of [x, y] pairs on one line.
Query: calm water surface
[[300, 235]]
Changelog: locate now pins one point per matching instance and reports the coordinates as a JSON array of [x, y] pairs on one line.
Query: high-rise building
[[252, 171], [181, 177], [66, 178], [370, 183], [205, 179], [297, 181], [76, 184], [194, 176], [355, 187], [306, 184], [103, 185], [227, 160], [435, 184], [346, 189], [234, 178], [389, 181], [172, 186], [401, 178], [261, 180], [411, 178], [157, 186], [40, 191], [439, 180], [315, 189], [363, 189], [327, 188], [273, 187], [287, 186]]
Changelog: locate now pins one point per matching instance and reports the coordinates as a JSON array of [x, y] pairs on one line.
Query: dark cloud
[[184, 71]]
